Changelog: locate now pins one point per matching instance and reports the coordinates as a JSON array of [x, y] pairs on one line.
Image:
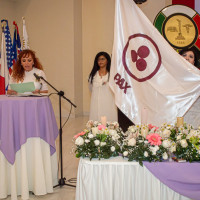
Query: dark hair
[[18, 70], [196, 62], [96, 66]]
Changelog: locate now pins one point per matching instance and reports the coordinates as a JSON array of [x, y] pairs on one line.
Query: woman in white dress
[[102, 97], [192, 116], [23, 72]]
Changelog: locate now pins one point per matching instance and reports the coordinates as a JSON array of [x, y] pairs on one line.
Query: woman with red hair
[[23, 72]]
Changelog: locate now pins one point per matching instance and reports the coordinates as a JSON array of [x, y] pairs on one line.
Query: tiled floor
[[70, 162]]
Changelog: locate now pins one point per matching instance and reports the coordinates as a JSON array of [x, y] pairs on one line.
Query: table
[[119, 179], [28, 160]]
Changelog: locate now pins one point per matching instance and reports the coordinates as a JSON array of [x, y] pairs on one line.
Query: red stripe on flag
[[2, 85], [189, 3]]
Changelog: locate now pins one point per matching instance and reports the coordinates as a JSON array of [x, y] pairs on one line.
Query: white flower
[[79, 141], [179, 137], [154, 149], [166, 133], [125, 153], [96, 142], [112, 148], [132, 142], [96, 123], [165, 156], [115, 137], [87, 141], [173, 148], [116, 124], [184, 143], [146, 154], [95, 130], [102, 144], [89, 124], [166, 143], [90, 136], [132, 129], [113, 132]]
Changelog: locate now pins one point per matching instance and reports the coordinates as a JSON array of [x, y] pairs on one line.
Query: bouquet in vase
[[144, 143], [183, 142], [99, 141]]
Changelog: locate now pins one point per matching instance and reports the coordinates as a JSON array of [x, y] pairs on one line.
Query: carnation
[[173, 148], [90, 136], [102, 144], [166, 133], [184, 143], [125, 153], [96, 142], [112, 132], [112, 148], [165, 156], [79, 141], [132, 142], [146, 154], [166, 143], [87, 141]]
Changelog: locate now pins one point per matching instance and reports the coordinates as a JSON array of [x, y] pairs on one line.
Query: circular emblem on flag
[[141, 57], [179, 25]]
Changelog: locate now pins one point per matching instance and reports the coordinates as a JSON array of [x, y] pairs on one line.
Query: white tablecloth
[[119, 179], [34, 170]]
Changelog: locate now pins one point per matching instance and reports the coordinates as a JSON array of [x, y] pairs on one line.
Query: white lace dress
[[102, 99]]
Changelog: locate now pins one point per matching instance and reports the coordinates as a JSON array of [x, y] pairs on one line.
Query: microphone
[[37, 77]]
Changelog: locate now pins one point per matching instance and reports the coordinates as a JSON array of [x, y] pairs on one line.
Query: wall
[[50, 26]]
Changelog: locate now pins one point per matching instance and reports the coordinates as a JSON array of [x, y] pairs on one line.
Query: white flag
[[25, 36], [146, 72]]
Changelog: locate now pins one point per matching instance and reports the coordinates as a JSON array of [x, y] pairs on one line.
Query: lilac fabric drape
[[22, 118], [183, 178]]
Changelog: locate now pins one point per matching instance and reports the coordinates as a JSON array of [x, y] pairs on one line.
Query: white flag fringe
[[146, 72], [25, 43]]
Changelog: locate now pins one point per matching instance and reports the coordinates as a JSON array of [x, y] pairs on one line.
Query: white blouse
[[29, 77]]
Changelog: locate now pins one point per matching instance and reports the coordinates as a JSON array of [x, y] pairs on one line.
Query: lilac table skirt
[[22, 118], [184, 178]]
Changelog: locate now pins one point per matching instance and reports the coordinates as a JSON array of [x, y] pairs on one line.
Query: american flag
[[8, 43], [16, 47]]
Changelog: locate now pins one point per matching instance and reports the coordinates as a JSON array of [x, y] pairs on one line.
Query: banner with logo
[[148, 77]]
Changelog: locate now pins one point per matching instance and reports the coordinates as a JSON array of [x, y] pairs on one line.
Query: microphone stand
[[62, 179]]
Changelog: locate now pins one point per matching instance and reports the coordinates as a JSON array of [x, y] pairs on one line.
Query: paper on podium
[[23, 87]]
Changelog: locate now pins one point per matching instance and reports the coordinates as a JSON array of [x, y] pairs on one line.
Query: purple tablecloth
[[22, 118], [183, 178]]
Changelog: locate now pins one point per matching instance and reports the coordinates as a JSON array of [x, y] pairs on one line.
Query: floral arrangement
[[144, 143], [183, 142], [139, 142], [99, 141]]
